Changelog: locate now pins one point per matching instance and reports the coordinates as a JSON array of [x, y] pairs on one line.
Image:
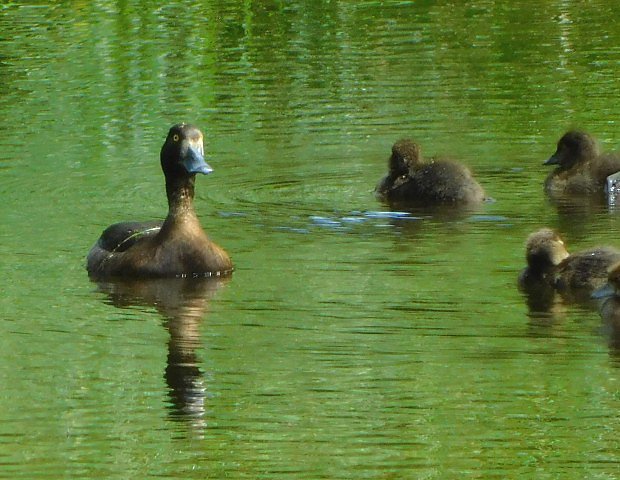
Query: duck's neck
[[180, 192]]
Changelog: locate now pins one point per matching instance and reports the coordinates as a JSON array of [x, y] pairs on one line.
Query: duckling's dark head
[[573, 147], [405, 157], [544, 249], [182, 154]]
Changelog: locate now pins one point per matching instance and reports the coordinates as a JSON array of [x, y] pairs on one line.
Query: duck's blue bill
[[194, 161]]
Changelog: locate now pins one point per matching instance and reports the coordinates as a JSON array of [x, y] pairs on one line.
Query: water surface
[[351, 341]]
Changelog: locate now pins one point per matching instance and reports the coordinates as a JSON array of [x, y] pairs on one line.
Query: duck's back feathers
[[585, 270], [123, 235], [115, 241], [608, 164], [445, 181]]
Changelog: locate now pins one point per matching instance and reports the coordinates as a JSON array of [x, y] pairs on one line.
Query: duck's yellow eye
[[175, 138]]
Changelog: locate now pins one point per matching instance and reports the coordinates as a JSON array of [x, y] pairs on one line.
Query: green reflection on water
[[339, 349]]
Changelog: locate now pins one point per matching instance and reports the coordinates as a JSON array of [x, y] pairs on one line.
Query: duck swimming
[[549, 263], [581, 168], [178, 246], [410, 179]]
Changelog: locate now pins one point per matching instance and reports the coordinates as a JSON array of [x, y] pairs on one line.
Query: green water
[[346, 344]]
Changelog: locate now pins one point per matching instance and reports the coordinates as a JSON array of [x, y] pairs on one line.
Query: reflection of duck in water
[[551, 268], [581, 168], [182, 303], [437, 182], [609, 294], [179, 245]]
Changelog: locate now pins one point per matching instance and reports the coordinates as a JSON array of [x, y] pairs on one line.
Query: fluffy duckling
[[549, 262], [410, 179], [581, 169]]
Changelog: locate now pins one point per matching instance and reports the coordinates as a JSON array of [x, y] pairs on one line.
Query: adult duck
[[176, 247], [436, 182]]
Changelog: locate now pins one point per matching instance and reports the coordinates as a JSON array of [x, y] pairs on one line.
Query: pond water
[[351, 341]]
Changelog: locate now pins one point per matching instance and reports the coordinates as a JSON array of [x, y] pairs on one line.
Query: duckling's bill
[[552, 160]]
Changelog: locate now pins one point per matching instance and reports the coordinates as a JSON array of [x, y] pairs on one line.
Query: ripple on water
[[351, 220]]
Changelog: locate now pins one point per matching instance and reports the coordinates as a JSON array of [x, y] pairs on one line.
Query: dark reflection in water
[[577, 214], [183, 303], [548, 310], [610, 315], [544, 302]]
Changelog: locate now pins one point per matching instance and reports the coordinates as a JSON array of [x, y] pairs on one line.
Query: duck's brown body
[[178, 246]]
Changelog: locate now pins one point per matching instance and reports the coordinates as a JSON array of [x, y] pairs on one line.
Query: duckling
[[544, 251], [410, 179], [581, 168], [178, 246], [548, 262]]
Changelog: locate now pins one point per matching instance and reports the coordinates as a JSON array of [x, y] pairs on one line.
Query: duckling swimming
[[548, 262], [581, 168], [410, 179], [178, 246]]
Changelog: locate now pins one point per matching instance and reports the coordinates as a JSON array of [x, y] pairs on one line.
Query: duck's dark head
[[405, 157], [182, 154], [573, 147], [544, 249]]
